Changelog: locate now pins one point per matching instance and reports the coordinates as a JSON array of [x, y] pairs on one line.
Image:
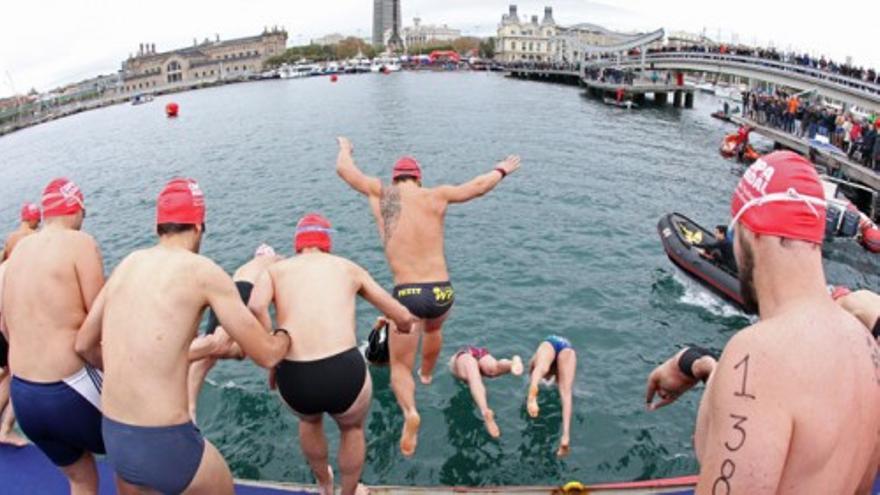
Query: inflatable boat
[[679, 234]]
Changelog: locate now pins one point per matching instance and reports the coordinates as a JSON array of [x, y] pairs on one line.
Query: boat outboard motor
[[849, 227], [832, 221]]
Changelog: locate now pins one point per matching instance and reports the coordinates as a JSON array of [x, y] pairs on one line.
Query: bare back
[[152, 308], [808, 384], [14, 239], [44, 303], [315, 298], [411, 223]]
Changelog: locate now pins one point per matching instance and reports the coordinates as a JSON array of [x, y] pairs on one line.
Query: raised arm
[[351, 174], [263, 348], [382, 300], [89, 270], [88, 339], [480, 185], [261, 298]]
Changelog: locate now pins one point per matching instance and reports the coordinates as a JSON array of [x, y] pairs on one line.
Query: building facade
[[421, 35], [386, 21], [208, 61]]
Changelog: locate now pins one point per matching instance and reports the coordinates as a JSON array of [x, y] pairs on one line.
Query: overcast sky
[[45, 43]]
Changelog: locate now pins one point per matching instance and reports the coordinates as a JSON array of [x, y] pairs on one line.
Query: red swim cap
[[182, 201], [30, 213], [780, 195], [62, 197], [407, 166], [313, 231]]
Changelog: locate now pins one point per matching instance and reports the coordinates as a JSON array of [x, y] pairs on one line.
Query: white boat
[[627, 104], [390, 64]]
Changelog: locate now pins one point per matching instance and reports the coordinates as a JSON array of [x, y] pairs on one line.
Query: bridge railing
[[842, 82]]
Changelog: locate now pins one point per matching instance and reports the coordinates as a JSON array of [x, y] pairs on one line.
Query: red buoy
[[171, 109], [386, 70], [334, 78], [871, 238]]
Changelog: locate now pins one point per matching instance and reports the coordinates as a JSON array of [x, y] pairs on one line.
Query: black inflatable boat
[[679, 234]]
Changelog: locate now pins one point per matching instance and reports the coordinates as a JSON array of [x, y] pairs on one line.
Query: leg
[[403, 349], [213, 476], [198, 371], [314, 447], [492, 367], [432, 343], [82, 475], [468, 368], [567, 367], [7, 421], [541, 363], [352, 444]]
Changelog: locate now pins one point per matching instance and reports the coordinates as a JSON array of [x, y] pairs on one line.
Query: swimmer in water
[[554, 360], [411, 222], [245, 278], [470, 365]]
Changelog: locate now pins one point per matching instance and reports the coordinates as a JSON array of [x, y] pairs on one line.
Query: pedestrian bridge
[[853, 91]]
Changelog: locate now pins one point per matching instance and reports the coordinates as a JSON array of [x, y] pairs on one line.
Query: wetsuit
[[722, 252], [62, 418], [427, 301], [328, 385], [244, 290]]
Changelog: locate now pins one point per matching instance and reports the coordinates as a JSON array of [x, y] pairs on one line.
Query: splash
[[697, 295]]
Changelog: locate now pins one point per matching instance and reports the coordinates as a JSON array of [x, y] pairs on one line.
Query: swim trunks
[[63, 419], [164, 458], [329, 385], [244, 290], [4, 351], [477, 352], [426, 301], [558, 343]]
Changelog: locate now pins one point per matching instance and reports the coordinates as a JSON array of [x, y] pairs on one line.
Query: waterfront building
[[386, 22], [208, 61], [421, 35], [328, 40]]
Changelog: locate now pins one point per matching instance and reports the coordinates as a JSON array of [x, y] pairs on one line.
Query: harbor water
[[567, 245]]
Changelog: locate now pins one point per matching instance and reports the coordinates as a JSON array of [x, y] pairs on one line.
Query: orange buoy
[[334, 78], [171, 109]]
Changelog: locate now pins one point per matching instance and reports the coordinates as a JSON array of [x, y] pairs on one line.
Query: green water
[[567, 245]]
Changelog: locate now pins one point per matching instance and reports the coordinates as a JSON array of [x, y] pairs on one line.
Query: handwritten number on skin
[[728, 467], [737, 426], [727, 470], [744, 364]]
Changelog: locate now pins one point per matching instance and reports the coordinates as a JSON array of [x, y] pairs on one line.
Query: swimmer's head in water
[[182, 202], [406, 168], [313, 231], [30, 214], [780, 195], [264, 250], [62, 197]]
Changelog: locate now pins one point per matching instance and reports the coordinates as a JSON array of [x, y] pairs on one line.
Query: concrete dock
[[682, 96]]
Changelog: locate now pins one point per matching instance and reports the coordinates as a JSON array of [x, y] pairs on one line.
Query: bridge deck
[[833, 161]]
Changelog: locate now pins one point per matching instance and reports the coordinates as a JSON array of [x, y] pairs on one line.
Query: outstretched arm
[[669, 382], [382, 300], [351, 174], [480, 185], [88, 339]]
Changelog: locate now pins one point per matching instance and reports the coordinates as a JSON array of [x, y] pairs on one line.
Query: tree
[[351, 46], [465, 45], [487, 48]]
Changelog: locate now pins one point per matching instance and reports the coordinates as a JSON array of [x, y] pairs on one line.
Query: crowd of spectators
[[854, 135]]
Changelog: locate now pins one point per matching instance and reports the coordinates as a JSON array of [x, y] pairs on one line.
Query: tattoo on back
[[390, 208], [737, 440]]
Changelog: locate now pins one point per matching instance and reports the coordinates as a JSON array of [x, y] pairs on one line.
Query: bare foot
[[361, 490], [491, 425], [13, 438], [409, 438], [532, 402], [327, 488], [517, 366], [425, 379], [564, 449]]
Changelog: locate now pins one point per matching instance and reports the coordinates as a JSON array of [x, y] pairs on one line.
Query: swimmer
[[315, 294], [141, 329], [50, 284], [791, 404], [244, 279], [411, 220], [8, 436], [470, 365], [863, 304], [30, 222], [556, 360]]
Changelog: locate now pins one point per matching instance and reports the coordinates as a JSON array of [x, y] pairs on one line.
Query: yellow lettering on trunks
[[443, 294], [415, 291]]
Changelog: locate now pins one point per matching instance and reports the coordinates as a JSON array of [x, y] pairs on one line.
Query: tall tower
[[386, 16]]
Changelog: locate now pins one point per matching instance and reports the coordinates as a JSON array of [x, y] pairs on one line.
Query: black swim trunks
[[4, 351], [329, 385], [426, 301], [244, 290]]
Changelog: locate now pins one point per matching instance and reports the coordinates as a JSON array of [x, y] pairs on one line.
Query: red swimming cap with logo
[[407, 166], [780, 195], [313, 231], [62, 197], [182, 201], [30, 213]]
